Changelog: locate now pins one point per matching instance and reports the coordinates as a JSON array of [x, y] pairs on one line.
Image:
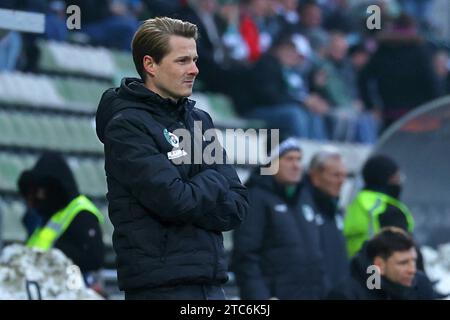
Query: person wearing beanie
[[378, 204], [58, 216], [276, 252]]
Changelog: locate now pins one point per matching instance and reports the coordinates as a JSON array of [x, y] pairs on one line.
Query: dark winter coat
[[276, 250], [355, 287], [329, 219], [167, 217], [400, 76]]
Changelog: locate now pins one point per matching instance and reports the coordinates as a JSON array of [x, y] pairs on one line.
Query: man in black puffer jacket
[[168, 215]]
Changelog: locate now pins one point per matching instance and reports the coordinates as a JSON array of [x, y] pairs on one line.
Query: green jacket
[[44, 238], [362, 219]]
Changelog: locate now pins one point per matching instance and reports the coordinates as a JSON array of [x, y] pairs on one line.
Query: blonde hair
[[152, 38]]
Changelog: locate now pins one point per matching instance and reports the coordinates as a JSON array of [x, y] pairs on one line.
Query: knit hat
[[378, 170], [290, 144]]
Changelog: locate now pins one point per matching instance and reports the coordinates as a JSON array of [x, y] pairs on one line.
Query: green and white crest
[[171, 138]]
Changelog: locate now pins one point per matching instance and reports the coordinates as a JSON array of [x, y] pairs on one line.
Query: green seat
[[12, 167], [46, 60], [13, 229], [223, 113], [7, 133], [222, 106]]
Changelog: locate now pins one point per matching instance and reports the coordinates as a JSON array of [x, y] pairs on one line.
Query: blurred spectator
[[69, 221], [160, 8], [10, 49], [232, 38], [251, 27], [116, 30], [419, 9], [55, 21], [220, 71], [287, 10], [400, 73], [378, 204], [280, 95], [323, 185], [441, 63], [203, 13], [311, 16], [276, 250], [359, 56], [393, 252], [335, 80], [341, 18]]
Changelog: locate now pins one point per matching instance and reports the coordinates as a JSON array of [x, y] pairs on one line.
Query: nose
[[412, 268], [193, 71]]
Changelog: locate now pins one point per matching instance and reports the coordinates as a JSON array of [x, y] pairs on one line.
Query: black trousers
[[180, 292]]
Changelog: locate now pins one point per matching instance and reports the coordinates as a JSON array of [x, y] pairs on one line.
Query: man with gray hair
[[320, 197]]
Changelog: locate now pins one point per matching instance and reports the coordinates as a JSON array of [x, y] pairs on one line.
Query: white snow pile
[[437, 266], [51, 273]]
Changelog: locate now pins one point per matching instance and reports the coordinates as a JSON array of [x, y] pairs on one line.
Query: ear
[[149, 65], [380, 263], [313, 177]]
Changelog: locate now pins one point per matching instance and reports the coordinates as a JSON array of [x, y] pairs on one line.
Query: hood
[[53, 174], [132, 93]]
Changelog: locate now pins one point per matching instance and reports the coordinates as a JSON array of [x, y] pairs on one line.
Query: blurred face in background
[[209, 6], [260, 8], [288, 55], [290, 168], [311, 16], [338, 47], [400, 267], [359, 59], [330, 178], [289, 5]]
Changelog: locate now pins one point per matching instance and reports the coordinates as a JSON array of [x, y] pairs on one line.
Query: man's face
[[400, 267], [311, 16], [290, 168], [338, 47], [360, 59], [330, 178], [288, 56], [173, 77]]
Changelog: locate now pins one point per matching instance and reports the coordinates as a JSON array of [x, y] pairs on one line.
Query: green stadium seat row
[[55, 132], [222, 111], [12, 228], [90, 176], [10, 168], [58, 93], [89, 173], [28, 89], [113, 64], [85, 60], [67, 93]]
